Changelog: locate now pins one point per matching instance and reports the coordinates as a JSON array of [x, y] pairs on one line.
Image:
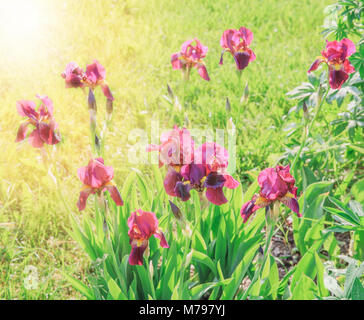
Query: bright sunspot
[[22, 27]]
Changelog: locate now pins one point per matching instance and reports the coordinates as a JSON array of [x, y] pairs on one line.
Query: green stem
[[182, 272], [307, 129], [269, 234]]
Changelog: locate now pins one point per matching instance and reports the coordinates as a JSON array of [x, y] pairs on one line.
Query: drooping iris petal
[[193, 173], [22, 131], [82, 200], [170, 181], [216, 196], [242, 59], [35, 140], [348, 68], [48, 134], [230, 182], [136, 254], [182, 191], [315, 65], [202, 71], [106, 91], [252, 55], [247, 210], [221, 62], [337, 78], [176, 62], [214, 180], [253, 205], [115, 194], [163, 241], [292, 203]]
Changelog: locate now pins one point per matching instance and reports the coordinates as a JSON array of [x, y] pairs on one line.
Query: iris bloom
[[336, 56], [97, 178], [45, 128], [207, 172], [190, 57], [142, 225], [237, 43], [176, 148], [276, 184], [95, 75], [74, 76]]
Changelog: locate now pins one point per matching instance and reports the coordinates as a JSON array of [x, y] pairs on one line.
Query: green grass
[[134, 41]]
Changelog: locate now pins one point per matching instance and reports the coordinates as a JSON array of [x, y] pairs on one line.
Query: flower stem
[[95, 142], [183, 268], [307, 129], [270, 223]]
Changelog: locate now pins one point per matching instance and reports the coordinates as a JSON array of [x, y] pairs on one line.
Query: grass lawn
[[134, 41]]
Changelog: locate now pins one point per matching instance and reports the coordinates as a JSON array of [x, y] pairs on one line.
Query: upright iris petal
[[142, 225], [213, 156], [176, 148]]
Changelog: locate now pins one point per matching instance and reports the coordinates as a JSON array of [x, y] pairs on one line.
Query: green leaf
[[358, 191], [305, 289], [357, 292], [147, 283], [204, 259], [352, 272], [231, 289], [346, 213], [307, 265], [79, 286], [198, 242], [128, 183], [115, 291], [199, 290], [332, 285], [253, 188], [270, 279], [283, 285], [320, 277]]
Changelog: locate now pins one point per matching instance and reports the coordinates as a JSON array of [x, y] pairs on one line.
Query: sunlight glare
[[21, 27]]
